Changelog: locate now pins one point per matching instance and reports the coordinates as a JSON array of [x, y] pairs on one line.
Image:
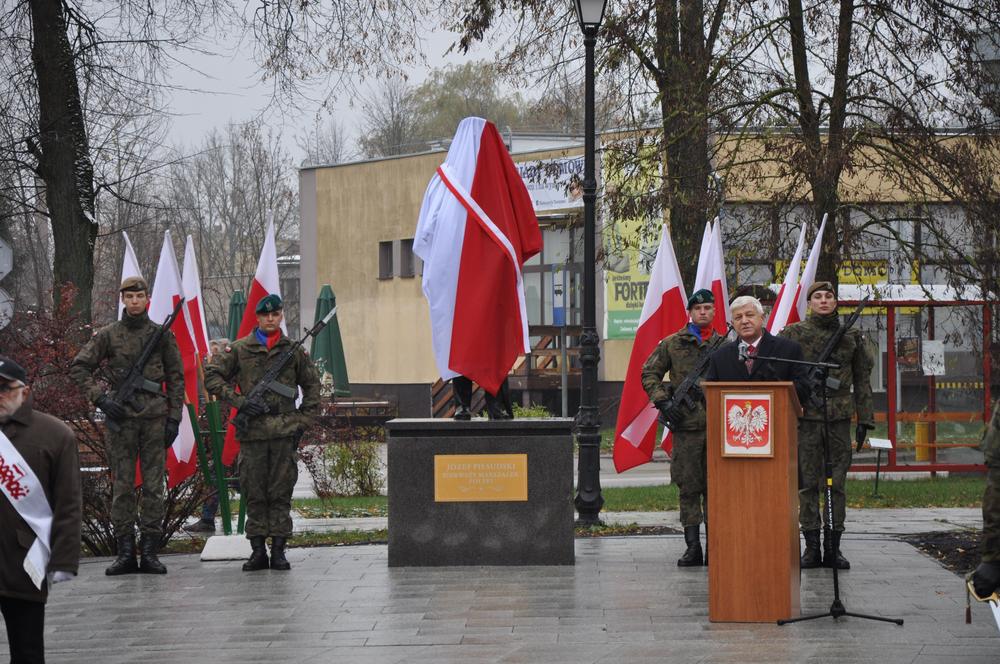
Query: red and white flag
[[477, 227], [784, 312], [130, 268], [809, 273], [167, 291], [265, 282], [663, 313], [711, 274], [194, 304]]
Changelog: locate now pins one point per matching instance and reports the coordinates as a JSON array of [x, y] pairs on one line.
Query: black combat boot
[[125, 562], [985, 580], [148, 562], [693, 556], [258, 558], [811, 557], [278, 560], [831, 552]]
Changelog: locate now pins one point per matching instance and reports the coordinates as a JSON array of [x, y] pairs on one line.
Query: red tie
[[751, 353]]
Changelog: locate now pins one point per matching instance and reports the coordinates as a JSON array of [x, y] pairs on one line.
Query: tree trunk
[[63, 154]]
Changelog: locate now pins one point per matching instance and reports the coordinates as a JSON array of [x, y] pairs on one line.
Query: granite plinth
[[425, 532]]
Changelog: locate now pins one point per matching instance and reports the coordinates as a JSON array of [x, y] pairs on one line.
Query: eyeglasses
[[4, 389]]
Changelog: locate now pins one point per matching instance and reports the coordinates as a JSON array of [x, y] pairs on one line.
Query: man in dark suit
[[737, 361]]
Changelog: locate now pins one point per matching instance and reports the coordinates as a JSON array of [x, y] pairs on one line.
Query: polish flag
[[711, 274], [130, 268], [477, 227], [784, 311], [194, 307], [809, 273], [663, 313], [265, 282], [167, 291]]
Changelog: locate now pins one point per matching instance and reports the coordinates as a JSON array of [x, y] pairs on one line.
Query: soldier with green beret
[[679, 354], [268, 444], [985, 580], [852, 397], [146, 426]]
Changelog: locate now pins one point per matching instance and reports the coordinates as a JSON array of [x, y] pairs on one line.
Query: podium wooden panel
[[753, 508]]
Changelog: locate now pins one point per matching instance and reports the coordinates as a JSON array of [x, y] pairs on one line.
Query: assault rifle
[[134, 381], [812, 379], [269, 381], [686, 396]]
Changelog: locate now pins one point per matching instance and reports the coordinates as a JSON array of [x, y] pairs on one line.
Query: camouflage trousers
[[812, 476], [142, 439], [991, 516], [268, 471], [688, 469]]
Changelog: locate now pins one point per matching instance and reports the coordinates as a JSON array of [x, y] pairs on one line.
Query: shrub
[[344, 461], [534, 410]]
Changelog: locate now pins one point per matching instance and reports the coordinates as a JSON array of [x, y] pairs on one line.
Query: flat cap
[[269, 303], [821, 286], [133, 284], [702, 296], [11, 370]]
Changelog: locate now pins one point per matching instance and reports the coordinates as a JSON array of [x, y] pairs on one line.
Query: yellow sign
[[462, 478]]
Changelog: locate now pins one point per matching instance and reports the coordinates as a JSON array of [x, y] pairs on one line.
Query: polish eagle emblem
[[747, 424]]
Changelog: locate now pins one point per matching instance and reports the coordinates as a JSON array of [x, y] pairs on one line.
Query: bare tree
[[324, 143], [390, 124]]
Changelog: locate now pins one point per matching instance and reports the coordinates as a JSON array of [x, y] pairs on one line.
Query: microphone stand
[[837, 608]]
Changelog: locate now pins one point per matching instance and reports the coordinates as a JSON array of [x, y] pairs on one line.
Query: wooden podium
[[753, 501]]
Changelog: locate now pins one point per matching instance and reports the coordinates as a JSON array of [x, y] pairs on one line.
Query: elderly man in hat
[[852, 397], [679, 354], [39, 511], [143, 428], [268, 467]]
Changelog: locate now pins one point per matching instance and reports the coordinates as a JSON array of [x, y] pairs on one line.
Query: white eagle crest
[[747, 424]]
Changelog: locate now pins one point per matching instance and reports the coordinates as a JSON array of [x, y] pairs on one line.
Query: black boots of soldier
[[278, 560], [125, 563], [985, 581], [148, 562], [258, 555], [811, 557], [693, 556]]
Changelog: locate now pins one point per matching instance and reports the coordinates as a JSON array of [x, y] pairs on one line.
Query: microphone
[[744, 356]]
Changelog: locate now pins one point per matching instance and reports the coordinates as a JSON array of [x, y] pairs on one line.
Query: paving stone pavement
[[624, 601]]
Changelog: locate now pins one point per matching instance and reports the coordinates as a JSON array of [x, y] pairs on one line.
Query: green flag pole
[[202, 459], [218, 441]]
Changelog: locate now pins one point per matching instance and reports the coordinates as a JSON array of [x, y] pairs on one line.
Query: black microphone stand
[[837, 608]]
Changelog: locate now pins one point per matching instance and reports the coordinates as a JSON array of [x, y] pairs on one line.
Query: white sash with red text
[[22, 488]]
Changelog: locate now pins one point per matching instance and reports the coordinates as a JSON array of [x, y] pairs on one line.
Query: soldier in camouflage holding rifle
[[679, 354], [852, 396], [268, 466], [985, 580]]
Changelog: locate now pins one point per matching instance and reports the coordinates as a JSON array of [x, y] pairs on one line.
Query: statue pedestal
[[480, 492]]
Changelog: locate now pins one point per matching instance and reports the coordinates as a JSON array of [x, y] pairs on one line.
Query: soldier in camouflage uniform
[[985, 580], [842, 403], [267, 466], [148, 425], [678, 354]]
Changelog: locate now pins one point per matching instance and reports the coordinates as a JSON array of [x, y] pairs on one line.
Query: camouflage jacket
[[245, 362], [678, 354], [117, 346], [855, 367], [991, 438]]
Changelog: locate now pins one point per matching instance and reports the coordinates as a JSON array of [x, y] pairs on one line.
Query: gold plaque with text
[[480, 477]]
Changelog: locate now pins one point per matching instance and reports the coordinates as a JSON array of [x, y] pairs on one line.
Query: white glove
[[58, 577]]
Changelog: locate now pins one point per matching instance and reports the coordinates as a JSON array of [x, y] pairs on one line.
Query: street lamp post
[[588, 486]]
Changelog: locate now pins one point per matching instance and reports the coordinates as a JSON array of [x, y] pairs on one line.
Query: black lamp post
[[588, 434]]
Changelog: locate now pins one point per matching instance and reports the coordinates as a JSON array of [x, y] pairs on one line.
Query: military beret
[[269, 303], [135, 284], [822, 286], [11, 370], [703, 296]]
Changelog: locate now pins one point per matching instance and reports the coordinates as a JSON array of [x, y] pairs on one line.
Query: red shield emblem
[[747, 421]]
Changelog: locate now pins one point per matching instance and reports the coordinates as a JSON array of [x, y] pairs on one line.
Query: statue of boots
[[461, 388], [831, 552], [693, 555], [148, 562], [125, 562], [258, 556], [278, 560], [811, 557]]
